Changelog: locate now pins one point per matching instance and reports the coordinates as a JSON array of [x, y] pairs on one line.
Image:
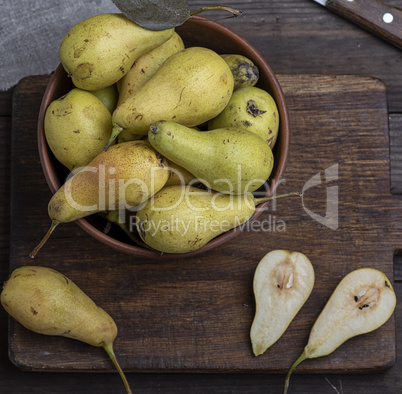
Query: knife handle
[[372, 15]]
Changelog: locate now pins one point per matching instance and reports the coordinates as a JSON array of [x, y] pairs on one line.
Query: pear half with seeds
[[362, 302], [283, 281]]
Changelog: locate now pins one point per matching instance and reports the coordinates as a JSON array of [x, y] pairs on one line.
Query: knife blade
[[373, 15]]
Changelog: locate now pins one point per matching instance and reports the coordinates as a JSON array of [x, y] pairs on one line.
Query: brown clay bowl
[[197, 31]]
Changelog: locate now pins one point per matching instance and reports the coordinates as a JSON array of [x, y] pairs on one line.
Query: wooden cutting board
[[194, 314]]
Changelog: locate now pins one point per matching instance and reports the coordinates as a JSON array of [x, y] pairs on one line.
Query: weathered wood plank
[[5, 103], [395, 133], [298, 37], [5, 162]]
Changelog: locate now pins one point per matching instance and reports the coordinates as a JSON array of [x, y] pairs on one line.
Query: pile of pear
[[147, 117]]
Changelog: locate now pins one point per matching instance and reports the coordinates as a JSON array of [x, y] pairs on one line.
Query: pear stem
[[109, 350], [264, 199], [217, 7], [44, 239], [301, 358], [115, 132]]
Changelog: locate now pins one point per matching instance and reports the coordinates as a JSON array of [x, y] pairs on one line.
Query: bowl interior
[[197, 31]]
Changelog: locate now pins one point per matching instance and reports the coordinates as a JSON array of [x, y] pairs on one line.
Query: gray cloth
[[31, 32]]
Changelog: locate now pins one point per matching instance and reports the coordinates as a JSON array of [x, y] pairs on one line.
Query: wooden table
[[296, 37]]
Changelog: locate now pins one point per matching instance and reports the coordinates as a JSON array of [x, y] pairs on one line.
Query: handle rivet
[[387, 17]]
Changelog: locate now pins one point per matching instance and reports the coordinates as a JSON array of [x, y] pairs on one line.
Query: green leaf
[[155, 14]]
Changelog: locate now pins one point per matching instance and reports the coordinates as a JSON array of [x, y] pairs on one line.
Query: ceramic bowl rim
[[54, 183]]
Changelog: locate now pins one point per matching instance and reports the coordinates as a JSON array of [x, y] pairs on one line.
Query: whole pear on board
[[45, 301], [253, 109], [283, 281], [191, 87], [180, 218], [100, 50], [124, 176], [146, 65], [362, 302], [108, 95], [245, 72], [228, 160], [77, 126]]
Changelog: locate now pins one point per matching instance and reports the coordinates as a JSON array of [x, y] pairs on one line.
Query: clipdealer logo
[[111, 196], [331, 217]]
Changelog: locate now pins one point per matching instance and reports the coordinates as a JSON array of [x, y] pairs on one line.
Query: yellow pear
[[253, 109], [245, 72], [45, 301], [191, 87], [108, 95], [124, 176], [146, 65], [181, 219], [228, 160], [125, 136], [180, 176], [100, 50], [77, 126]]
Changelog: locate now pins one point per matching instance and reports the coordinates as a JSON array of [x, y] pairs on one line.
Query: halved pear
[[362, 302], [283, 281]]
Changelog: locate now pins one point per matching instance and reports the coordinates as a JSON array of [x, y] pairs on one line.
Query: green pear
[[47, 302], [109, 96], [77, 126], [191, 87], [146, 66], [100, 50], [124, 176], [184, 218], [283, 282], [253, 109], [228, 160], [362, 302], [245, 72]]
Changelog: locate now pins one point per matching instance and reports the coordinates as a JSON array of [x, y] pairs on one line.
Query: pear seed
[[284, 276], [367, 297]]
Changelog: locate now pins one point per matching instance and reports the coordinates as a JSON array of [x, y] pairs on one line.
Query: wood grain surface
[[194, 314], [295, 37]]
